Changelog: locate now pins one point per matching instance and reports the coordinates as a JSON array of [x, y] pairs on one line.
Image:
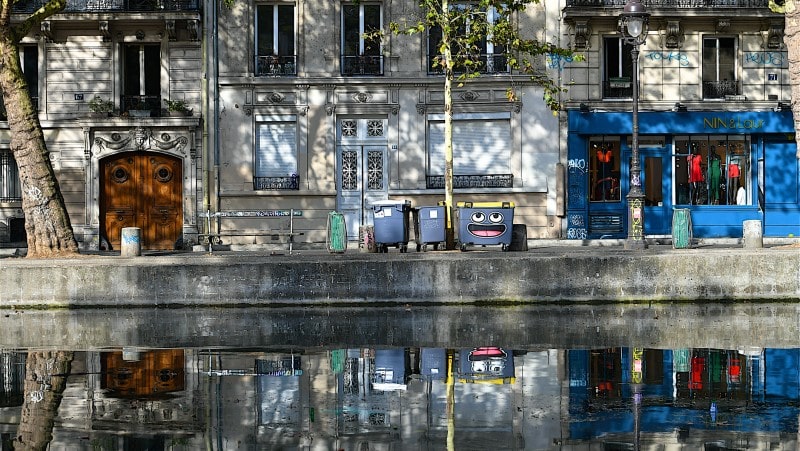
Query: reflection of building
[[338, 399], [692, 391], [12, 376]]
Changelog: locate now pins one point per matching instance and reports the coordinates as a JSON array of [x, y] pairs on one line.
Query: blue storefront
[[723, 167]]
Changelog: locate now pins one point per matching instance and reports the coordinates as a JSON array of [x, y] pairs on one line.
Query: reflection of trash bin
[[681, 228], [485, 223], [390, 218], [429, 226]]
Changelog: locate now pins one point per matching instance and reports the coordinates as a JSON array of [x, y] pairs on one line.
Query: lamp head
[[634, 20]]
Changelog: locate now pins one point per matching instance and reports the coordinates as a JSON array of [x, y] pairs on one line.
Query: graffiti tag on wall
[[681, 58]]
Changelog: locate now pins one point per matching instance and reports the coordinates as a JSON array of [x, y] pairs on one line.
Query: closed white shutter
[[480, 147], [276, 149]]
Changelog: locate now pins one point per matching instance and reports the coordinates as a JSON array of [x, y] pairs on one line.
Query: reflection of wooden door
[[151, 373], [145, 191]]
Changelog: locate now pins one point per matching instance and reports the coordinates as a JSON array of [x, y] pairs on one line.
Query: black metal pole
[[635, 197]]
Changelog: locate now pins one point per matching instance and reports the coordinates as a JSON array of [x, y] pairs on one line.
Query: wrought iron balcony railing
[[362, 65], [141, 106], [720, 89], [472, 181], [276, 65], [78, 6], [291, 182], [654, 4], [484, 64]]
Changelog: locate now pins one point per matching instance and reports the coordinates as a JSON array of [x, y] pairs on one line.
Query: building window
[[29, 57], [712, 170], [481, 151], [361, 53], [618, 69], [10, 190], [489, 57], [141, 69], [719, 68], [275, 40], [29, 61], [275, 165]]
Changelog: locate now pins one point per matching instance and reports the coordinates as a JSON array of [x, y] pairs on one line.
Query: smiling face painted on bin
[[484, 225]]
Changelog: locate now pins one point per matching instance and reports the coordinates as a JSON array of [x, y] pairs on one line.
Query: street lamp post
[[633, 30]]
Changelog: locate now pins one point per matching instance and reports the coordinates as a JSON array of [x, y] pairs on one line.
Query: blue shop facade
[[722, 167]]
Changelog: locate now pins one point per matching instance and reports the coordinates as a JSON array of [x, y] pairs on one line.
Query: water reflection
[[692, 376], [483, 397]]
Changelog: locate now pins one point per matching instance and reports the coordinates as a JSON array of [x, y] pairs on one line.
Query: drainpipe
[[211, 113], [215, 120]]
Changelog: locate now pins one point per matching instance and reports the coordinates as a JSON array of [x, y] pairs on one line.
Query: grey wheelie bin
[[485, 224], [390, 220], [429, 226]]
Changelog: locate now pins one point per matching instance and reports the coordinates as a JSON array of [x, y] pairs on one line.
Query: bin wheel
[[505, 248], [403, 248], [419, 247], [463, 247], [424, 248]]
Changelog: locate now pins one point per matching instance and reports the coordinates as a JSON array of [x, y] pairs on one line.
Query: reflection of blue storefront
[[725, 167], [678, 389]]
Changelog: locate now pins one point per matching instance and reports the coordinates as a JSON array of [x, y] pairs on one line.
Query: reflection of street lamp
[[633, 31]]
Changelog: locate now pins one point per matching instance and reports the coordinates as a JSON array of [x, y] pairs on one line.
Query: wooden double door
[[143, 190]]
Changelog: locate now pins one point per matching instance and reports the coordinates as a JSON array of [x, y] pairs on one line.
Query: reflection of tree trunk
[[45, 379]]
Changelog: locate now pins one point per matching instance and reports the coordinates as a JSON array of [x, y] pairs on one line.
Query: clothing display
[[714, 175], [733, 180], [605, 168], [695, 170]]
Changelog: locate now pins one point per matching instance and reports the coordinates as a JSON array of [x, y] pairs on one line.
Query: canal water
[[407, 377]]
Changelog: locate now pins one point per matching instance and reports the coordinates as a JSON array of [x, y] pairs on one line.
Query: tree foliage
[[464, 27]]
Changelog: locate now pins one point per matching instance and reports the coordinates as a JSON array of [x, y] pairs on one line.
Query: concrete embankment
[[551, 274]]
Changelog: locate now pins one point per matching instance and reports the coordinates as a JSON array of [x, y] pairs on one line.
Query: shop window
[[719, 68], [361, 50], [481, 152], [487, 56], [618, 68], [604, 171], [141, 68], [712, 170], [10, 189], [275, 40], [275, 165]]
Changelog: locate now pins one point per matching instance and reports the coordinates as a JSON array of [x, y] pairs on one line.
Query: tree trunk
[[792, 41], [45, 379], [46, 220], [448, 126]]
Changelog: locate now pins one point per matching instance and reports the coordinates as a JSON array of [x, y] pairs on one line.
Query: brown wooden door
[[145, 191]]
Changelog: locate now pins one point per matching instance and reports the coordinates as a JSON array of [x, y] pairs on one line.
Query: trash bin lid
[[390, 203], [485, 205]]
